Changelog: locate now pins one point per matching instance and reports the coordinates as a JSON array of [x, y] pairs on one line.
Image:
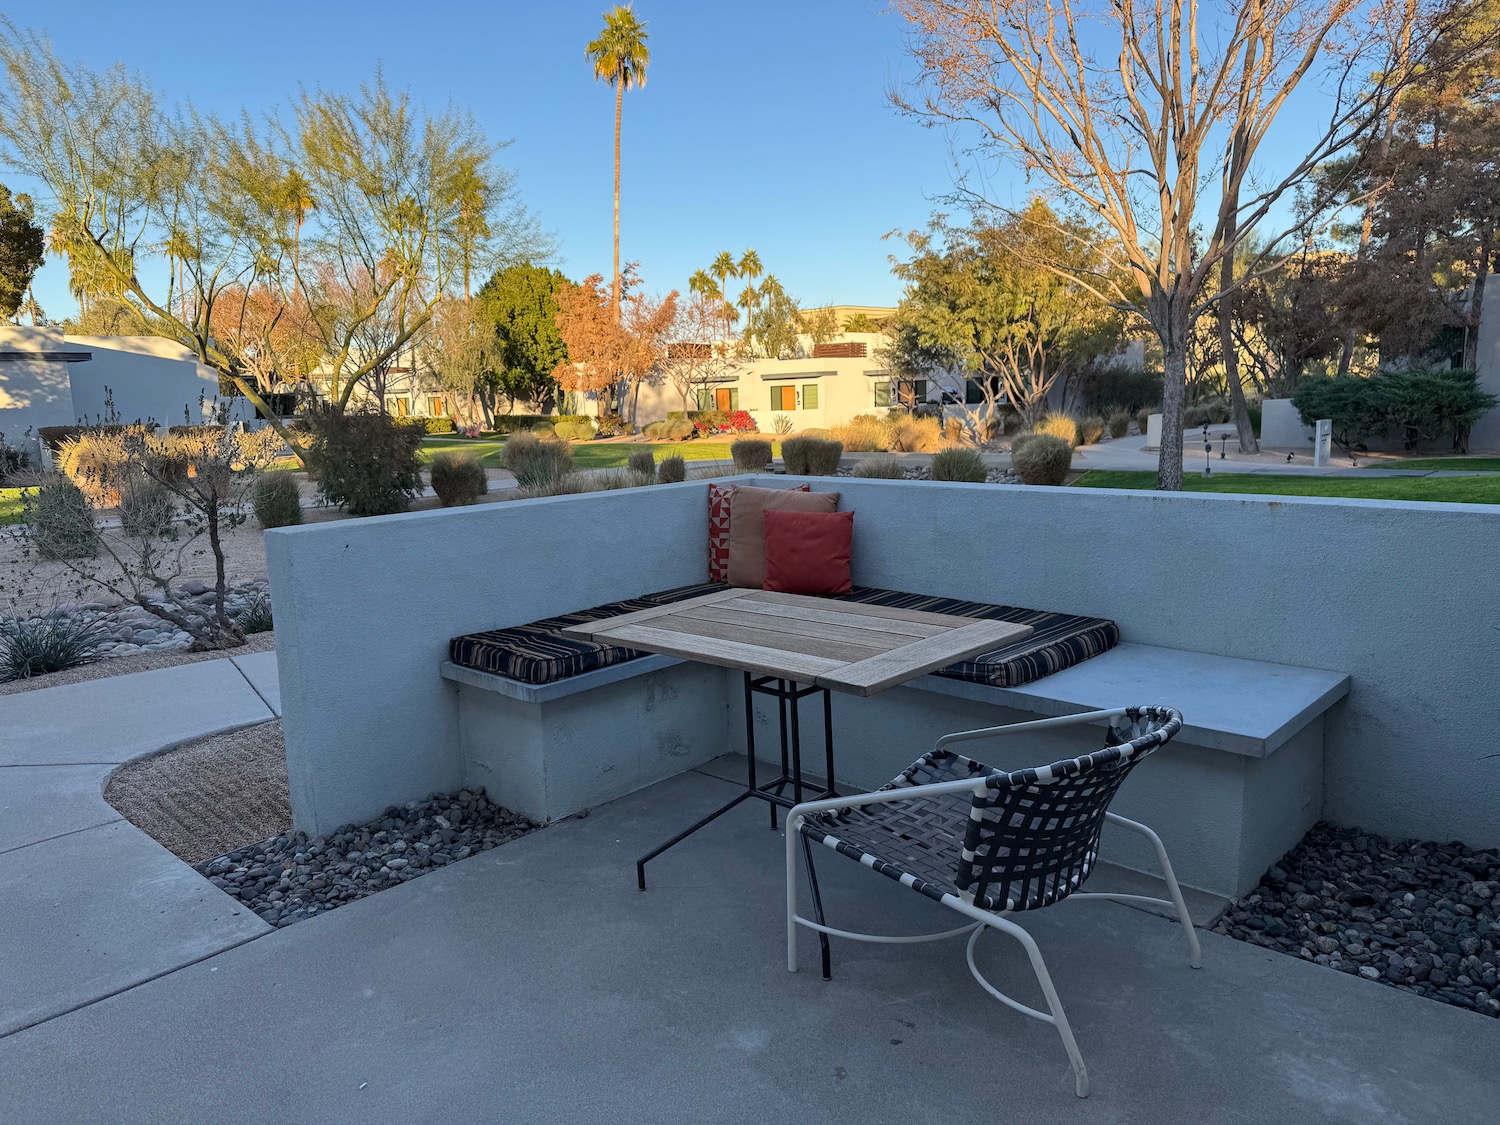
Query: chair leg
[[1054, 1005], [817, 901], [1195, 951]]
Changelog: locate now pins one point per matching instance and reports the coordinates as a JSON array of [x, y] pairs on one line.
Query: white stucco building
[[51, 379]]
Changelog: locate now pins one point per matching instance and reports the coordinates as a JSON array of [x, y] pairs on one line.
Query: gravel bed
[[1418, 916], [291, 877]]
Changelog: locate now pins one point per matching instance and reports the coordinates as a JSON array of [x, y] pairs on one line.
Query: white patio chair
[[989, 843]]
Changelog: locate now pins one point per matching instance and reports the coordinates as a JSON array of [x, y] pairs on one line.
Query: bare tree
[[1150, 115], [694, 361]]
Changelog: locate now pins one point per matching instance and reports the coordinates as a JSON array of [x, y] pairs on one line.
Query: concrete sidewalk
[[535, 983], [92, 904]]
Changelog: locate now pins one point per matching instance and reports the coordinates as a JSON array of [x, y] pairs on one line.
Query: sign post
[[1322, 442]]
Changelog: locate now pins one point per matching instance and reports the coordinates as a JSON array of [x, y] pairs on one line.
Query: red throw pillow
[[808, 552], [719, 496]]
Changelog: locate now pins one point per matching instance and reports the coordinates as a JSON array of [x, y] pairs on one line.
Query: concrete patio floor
[[534, 983]]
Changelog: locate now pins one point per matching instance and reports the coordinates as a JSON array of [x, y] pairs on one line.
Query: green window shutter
[[734, 398], [809, 396], [919, 389], [883, 393], [705, 398]]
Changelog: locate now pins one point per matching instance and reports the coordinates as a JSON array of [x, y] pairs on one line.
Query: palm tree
[[297, 197], [750, 267], [620, 57], [700, 282], [724, 268]]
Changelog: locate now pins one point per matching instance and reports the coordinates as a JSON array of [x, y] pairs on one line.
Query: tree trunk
[[1173, 392], [619, 109], [1476, 303], [1239, 408]]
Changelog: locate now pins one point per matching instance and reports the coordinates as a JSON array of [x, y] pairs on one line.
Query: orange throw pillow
[[808, 552], [747, 527]]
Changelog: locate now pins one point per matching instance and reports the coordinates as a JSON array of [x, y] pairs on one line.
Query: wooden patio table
[[790, 646]]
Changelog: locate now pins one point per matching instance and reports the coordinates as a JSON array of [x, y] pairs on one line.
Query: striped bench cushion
[[539, 653]]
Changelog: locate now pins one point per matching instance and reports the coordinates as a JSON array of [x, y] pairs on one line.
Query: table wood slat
[[856, 630], [831, 613], [772, 636], [593, 628], [860, 609], [726, 654], [920, 657]]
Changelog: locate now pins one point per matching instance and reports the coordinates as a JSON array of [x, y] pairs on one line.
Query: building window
[[784, 398], [402, 406], [809, 396], [883, 393], [435, 407]]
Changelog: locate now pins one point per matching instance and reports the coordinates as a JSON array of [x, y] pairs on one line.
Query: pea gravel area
[[1419, 916]]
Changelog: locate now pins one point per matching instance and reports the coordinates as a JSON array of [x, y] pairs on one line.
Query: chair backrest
[[1033, 835]]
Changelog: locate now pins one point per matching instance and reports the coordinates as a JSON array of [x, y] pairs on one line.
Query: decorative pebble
[[1419, 916], [293, 876]]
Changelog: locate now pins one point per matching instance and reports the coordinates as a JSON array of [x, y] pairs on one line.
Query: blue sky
[[760, 125]]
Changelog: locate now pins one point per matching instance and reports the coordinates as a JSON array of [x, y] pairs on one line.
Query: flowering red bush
[[740, 422]]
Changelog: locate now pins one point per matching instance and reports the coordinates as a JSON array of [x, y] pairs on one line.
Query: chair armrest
[[1034, 724], [885, 797]]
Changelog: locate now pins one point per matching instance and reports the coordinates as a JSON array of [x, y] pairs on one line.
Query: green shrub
[[457, 478], [751, 455], [255, 617], [806, 456], [147, 507], [1044, 459], [610, 425], [1119, 423], [1021, 440], [1063, 426], [13, 460], [537, 463], [1129, 389], [641, 461], [37, 646], [671, 470], [864, 433], [907, 433], [884, 467], [516, 423], [544, 429], [61, 521], [960, 465], [1420, 404], [574, 429], [367, 463], [276, 500], [670, 429], [430, 425], [1090, 430]]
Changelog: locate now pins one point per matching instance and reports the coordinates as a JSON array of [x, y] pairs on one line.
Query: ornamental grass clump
[[1063, 426], [1091, 429], [38, 646], [864, 433], [960, 465], [457, 478], [751, 455], [642, 461], [1119, 423], [276, 500], [1042, 459], [806, 456], [671, 470], [909, 434], [884, 467], [537, 464]]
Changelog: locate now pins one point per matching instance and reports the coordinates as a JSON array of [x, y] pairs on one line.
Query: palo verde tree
[[1152, 118], [376, 226]]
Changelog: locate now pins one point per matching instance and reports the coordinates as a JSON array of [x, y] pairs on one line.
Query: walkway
[[92, 905]]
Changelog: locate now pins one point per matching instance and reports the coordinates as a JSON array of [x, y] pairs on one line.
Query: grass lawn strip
[[1441, 464], [10, 506], [1450, 490], [586, 455]]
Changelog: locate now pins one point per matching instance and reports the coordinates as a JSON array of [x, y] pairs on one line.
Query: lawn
[[586, 454], [1451, 490], [10, 506], [1465, 464]]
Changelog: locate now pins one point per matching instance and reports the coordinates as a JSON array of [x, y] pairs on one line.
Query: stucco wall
[[1398, 595], [147, 377], [1486, 432], [34, 392]]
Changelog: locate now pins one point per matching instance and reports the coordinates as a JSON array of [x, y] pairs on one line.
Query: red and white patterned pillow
[[718, 529]]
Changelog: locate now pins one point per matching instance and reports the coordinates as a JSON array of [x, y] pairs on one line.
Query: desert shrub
[[610, 425], [537, 463], [781, 424], [959, 464], [37, 646], [1255, 411], [1123, 388], [1194, 417], [276, 500], [457, 478], [13, 459], [912, 434], [670, 429], [574, 429], [147, 507], [641, 461], [543, 429], [1044, 459], [671, 470], [864, 433], [368, 463], [98, 460], [1143, 416], [806, 456], [54, 436], [516, 423], [884, 467], [1217, 410], [1063, 426], [255, 617], [62, 521], [1091, 429], [1119, 423], [751, 455]]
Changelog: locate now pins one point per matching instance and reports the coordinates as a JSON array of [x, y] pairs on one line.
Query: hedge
[[1421, 404]]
